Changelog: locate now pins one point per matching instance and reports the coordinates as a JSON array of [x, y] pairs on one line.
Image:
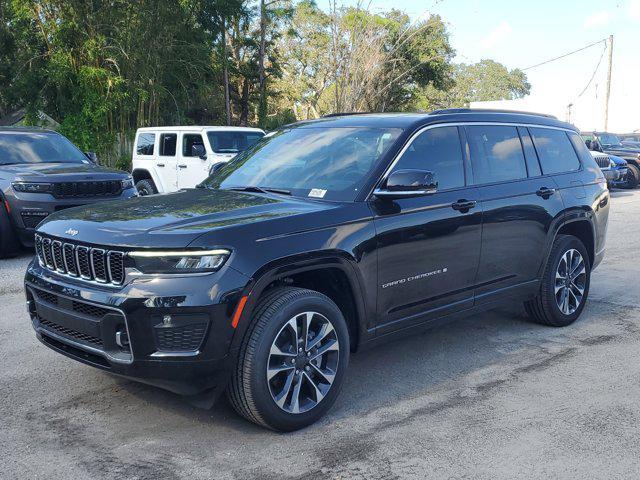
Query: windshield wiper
[[254, 188]]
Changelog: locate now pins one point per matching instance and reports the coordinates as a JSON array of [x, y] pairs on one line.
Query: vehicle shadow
[[620, 193], [398, 370]]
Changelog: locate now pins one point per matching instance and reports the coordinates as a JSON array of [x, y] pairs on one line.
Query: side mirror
[[92, 157], [595, 146], [588, 144], [408, 183]]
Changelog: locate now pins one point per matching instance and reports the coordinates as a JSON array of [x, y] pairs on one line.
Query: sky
[[521, 34]]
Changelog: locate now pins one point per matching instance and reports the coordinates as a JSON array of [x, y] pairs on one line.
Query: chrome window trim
[[421, 130]]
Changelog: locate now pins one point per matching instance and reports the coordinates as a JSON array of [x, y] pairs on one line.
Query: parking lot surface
[[489, 396]]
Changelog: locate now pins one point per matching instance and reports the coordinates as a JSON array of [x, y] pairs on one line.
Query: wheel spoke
[[273, 371], [295, 398], [318, 393], [293, 326], [331, 345], [322, 334], [306, 322], [284, 394], [276, 350], [327, 374]]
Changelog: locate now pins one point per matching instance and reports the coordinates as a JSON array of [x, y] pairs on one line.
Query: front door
[[193, 166], [428, 246]]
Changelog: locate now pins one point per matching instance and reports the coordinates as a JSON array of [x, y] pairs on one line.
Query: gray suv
[[42, 172]]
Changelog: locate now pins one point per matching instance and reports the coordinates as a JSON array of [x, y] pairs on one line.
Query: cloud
[[634, 9], [497, 35], [597, 19]]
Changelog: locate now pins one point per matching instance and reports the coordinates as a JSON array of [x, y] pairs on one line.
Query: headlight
[[197, 261], [128, 183], [31, 187]]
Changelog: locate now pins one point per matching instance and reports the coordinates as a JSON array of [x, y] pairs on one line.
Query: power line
[[594, 73], [565, 55]]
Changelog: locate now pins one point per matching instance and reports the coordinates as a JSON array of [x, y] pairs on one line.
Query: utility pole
[[608, 93]]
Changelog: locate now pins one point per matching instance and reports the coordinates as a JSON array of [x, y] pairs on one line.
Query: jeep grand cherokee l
[[42, 172], [324, 238]]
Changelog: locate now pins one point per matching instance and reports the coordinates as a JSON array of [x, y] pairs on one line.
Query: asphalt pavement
[[490, 396]]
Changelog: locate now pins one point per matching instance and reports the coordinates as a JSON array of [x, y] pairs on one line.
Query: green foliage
[[103, 68]]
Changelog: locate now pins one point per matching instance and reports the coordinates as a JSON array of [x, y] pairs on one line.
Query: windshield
[[609, 139], [330, 163], [232, 142], [38, 147]]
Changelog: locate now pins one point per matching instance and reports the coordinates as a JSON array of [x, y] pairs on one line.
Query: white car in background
[[166, 159]]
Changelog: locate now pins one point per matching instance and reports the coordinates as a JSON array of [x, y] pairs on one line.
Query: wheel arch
[[578, 222], [332, 274], [145, 174]]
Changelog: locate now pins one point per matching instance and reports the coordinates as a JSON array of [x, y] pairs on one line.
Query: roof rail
[[488, 110], [344, 114]]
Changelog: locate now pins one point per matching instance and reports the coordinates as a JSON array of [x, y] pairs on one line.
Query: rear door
[[428, 246], [519, 205], [193, 167], [166, 161]]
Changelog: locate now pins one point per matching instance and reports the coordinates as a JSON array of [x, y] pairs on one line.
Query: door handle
[[545, 192], [160, 165], [182, 166], [463, 205]]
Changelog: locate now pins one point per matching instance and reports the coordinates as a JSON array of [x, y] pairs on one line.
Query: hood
[[624, 151], [61, 172], [172, 220]]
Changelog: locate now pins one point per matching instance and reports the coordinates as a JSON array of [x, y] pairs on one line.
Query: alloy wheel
[[303, 362], [571, 277]]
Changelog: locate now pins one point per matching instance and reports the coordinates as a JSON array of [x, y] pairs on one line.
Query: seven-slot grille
[[88, 263], [603, 161], [106, 188]]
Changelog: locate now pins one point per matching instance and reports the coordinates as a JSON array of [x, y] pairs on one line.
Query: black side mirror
[[407, 183], [595, 146], [92, 157], [199, 151], [588, 144]]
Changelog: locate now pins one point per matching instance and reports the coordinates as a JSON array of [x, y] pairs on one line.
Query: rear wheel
[[565, 284], [9, 244], [145, 187], [292, 361], [633, 176]]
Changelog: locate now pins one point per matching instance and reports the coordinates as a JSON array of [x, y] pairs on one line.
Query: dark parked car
[[610, 143], [324, 238], [42, 172]]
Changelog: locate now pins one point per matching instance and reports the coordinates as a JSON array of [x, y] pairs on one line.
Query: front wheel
[[146, 187], [633, 176], [292, 361], [565, 284]]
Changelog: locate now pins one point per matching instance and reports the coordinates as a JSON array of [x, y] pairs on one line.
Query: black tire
[[633, 176], [146, 187], [9, 244], [544, 308], [250, 392]]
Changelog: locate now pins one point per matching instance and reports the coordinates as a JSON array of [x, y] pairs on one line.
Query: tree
[[478, 82]]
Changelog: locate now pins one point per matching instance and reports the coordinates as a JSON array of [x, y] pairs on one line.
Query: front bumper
[[126, 330], [616, 176], [29, 209]]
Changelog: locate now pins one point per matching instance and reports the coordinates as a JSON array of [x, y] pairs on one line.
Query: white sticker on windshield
[[317, 193]]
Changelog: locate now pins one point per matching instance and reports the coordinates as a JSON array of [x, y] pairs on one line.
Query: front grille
[[47, 297], [89, 309], [96, 264], [69, 333], [603, 161], [108, 188], [186, 338]]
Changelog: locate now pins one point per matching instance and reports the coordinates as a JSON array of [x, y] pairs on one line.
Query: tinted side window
[[437, 150], [496, 153], [554, 150], [580, 148], [145, 143], [168, 144], [533, 166], [192, 145]]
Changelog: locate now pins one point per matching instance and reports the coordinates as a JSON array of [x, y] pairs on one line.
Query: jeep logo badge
[[71, 232]]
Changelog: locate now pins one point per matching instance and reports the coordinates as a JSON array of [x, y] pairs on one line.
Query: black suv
[[42, 172], [610, 143], [324, 238]]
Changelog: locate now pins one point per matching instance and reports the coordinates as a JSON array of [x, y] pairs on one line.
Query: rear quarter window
[[145, 143], [555, 150]]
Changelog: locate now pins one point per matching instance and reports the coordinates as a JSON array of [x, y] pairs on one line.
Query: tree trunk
[[262, 107], [225, 75], [244, 103]]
